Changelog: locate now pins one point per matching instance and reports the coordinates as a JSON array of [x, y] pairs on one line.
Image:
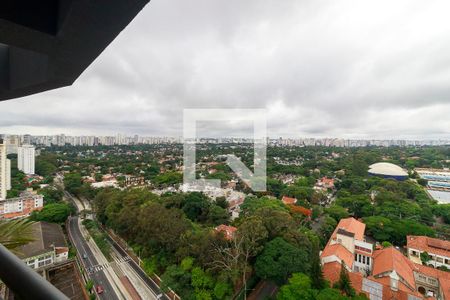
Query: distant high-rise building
[[12, 142], [25, 159], [26, 139], [61, 140], [8, 174], [3, 171]]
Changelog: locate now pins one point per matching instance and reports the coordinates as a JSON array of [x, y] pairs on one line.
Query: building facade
[[348, 244], [386, 273], [22, 206], [26, 159], [3, 171], [438, 250]]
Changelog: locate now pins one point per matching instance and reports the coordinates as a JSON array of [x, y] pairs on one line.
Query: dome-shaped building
[[388, 170]]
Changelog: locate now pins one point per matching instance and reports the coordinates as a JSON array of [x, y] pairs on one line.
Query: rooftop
[[288, 200], [353, 226], [46, 236], [390, 259], [428, 244], [340, 251], [227, 230], [384, 168]]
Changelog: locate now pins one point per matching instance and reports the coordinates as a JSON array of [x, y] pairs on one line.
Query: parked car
[[99, 289]]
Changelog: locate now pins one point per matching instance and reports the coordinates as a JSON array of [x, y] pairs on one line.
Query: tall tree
[[344, 283], [234, 257], [318, 282]]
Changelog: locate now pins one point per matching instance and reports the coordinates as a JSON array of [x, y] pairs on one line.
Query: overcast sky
[[353, 69]]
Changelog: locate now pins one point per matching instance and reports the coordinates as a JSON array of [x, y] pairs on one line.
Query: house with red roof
[[288, 200], [228, 231], [438, 250], [348, 244], [389, 274], [324, 183]]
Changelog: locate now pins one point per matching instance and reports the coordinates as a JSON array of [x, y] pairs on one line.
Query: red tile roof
[[351, 225], [430, 245], [402, 292], [327, 181], [442, 276], [340, 251], [332, 270], [288, 200], [227, 230], [390, 259]]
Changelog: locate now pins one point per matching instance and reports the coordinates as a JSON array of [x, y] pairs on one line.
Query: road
[[137, 269], [149, 289], [82, 247]]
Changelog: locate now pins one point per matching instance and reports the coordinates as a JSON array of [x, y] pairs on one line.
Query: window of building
[[439, 259], [364, 259], [368, 261]]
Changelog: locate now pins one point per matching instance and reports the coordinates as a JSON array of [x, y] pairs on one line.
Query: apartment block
[[21, 206], [26, 159]]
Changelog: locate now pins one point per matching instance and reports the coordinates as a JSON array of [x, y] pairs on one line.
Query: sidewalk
[[117, 285]]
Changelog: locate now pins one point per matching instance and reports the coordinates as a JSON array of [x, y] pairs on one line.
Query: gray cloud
[[321, 68]]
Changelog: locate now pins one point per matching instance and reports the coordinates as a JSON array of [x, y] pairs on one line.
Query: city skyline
[[14, 142], [315, 72]]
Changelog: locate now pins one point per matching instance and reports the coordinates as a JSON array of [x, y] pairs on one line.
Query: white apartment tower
[[8, 174], [3, 171], [25, 159]]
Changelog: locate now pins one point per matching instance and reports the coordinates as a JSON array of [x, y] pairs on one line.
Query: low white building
[[48, 247]]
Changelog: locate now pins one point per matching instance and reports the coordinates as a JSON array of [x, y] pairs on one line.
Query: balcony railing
[[23, 281]]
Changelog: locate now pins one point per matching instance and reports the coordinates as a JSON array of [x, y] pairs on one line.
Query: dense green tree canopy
[[280, 259], [53, 212]]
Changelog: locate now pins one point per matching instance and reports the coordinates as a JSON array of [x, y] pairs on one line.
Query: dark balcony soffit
[[47, 44]]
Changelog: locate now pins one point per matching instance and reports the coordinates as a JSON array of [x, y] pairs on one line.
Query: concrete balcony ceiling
[[46, 45]]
